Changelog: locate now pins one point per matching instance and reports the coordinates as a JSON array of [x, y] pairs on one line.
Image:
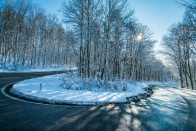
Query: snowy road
[[165, 110]]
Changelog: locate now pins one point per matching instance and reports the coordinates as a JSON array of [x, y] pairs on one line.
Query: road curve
[[165, 110], [190, 98]]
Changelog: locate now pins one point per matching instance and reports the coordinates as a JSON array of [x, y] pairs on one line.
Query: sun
[[139, 37]]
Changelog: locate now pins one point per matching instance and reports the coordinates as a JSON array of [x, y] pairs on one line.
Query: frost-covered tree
[[30, 38], [180, 45], [111, 44]]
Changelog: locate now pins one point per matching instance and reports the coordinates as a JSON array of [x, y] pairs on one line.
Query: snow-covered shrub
[[71, 81], [74, 82]]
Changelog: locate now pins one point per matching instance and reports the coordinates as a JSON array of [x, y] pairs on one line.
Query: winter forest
[[102, 38], [180, 46]]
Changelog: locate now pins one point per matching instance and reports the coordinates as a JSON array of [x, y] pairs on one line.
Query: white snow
[[168, 83], [51, 91], [10, 68]]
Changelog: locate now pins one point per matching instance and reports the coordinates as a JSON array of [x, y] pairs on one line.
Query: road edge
[[186, 104]]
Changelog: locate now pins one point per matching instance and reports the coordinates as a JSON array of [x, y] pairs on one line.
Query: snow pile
[[49, 89]]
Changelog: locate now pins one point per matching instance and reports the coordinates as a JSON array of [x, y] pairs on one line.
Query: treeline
[[30, 38], [110, 43], [103, 39], [180, 45]]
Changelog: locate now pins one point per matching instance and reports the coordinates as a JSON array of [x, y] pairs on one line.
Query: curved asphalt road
[[165, 110]]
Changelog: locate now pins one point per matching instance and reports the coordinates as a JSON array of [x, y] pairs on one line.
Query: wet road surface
[[167, 109]]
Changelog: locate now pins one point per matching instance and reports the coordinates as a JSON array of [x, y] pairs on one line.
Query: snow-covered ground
[[10, 69], [169, 83], [50, 89]]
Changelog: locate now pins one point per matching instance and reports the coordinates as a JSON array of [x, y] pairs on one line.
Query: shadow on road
[[152, 114], [163, 111]]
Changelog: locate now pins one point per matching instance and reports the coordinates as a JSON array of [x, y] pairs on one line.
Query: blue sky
[[158, 15]]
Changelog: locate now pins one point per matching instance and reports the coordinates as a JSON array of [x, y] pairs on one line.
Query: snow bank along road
[[167, 109]]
